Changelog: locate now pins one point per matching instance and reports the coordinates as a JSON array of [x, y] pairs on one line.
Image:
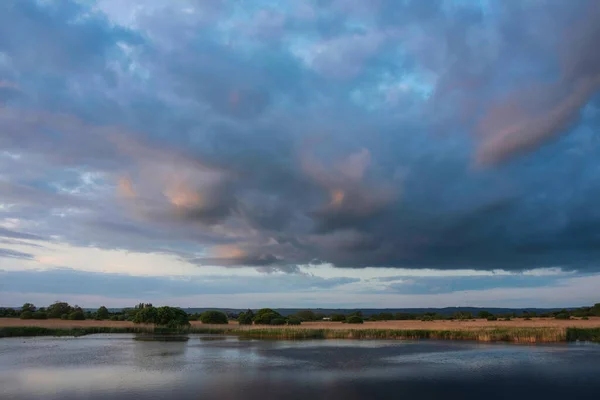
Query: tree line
[[146, 313]]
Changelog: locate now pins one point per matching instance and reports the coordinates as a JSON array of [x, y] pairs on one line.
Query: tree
[[7, 312], [214, 317], [28, 307], [59, 308], [484, 314], [354, 319], [306, 315], [462, 315], [146, 315], [278, 321], [245, 318], [40, 315], [403, 316], [102, 313], [264, 316], [169, 317], [77, 315], [338, 317], [26, 315], [294, 321]]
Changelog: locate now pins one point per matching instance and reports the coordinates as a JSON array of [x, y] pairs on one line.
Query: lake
[[205, 367]]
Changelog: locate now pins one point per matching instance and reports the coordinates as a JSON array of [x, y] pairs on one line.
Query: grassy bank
[[514, 335]]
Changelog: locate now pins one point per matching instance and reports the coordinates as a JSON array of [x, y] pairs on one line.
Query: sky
[[308, 153]]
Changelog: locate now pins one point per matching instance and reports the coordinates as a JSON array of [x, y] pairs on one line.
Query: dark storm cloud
[[269, 137]]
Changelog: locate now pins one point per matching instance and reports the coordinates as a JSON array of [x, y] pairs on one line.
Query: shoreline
[[506, 335]]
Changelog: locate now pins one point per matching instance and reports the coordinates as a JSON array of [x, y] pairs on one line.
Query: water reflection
[[118, 367]]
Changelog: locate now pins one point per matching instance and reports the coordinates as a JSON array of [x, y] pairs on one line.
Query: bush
[[484, 314], [264, 316], [40, 315], [354, 319], [585, 318], [245, 318], [64, 316], [492, 318], [58, 309], [214, 317], [338, 317], [306, 315], [562, 316], [77, 315], [294, 321], [26, 315], [277, 321], [526, 319], [102, 313], [506, 319]]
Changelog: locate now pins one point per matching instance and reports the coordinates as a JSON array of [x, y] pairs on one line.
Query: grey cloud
[[522, 126], [18, 235], [437, 285], [15, 254], [62, 281], [198, 136]]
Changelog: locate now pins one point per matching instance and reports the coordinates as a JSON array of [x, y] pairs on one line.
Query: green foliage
[[277, 321], [562, 315], [28, 307], [8, 312], [213, 317], [64, 316], [354, 319], [462, 315], [169, 317], [245, 318], [264, 316], [402, 316], [102, 313], [484, 314], [39, 315], [306, 315], [294, 321], [26, 315], [77, 315], [384, 316], [585, 318], [492, 318], [338, 317], [57, 309]]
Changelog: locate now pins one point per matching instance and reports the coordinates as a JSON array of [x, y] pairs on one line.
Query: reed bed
[[513, 335]]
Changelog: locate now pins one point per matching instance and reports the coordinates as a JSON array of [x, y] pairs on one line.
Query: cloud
[[74, 282], [8, 253], [522, 122], [217, 125]]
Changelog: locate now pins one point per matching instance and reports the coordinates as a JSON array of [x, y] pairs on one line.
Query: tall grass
[[583, 334], [515, 335]]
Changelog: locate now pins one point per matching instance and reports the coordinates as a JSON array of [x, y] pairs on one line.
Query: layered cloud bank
[[280, 135]]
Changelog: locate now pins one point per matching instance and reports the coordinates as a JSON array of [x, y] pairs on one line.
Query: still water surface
[[118, 367]]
